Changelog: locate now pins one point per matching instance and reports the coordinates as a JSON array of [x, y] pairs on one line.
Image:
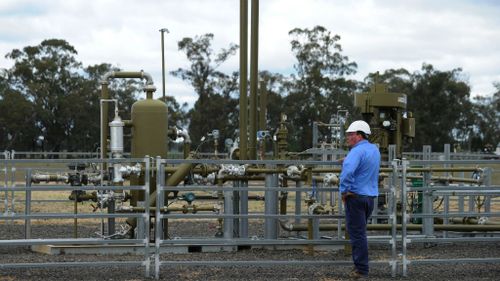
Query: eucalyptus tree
[[216, 106], [320, 84]]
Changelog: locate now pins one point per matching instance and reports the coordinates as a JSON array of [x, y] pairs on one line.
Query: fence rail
[[470, 199]]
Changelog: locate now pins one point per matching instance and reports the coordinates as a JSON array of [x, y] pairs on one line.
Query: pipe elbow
[[148, 77], [107, 76]]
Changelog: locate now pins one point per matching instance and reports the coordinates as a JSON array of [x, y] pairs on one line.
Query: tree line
[[50, 101]]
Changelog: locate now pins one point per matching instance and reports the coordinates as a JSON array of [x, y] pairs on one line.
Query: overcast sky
[[377, 35]]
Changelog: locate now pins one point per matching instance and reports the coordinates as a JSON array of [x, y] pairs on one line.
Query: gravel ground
[[323, 273]]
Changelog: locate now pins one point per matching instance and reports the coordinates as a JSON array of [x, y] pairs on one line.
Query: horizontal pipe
[[128, 74], [183, 209], [438, 227]]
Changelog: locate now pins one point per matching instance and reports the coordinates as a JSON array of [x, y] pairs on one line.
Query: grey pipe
[[443, 227]]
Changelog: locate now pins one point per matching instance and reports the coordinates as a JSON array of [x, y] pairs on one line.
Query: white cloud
[[378, 35]]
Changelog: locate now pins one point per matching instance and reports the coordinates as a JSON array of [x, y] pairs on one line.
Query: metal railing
[[428, 213], [235, 215], [231, 209], [27, 215]]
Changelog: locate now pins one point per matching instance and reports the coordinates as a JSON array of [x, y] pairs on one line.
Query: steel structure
[[28, 216], [317, 208]]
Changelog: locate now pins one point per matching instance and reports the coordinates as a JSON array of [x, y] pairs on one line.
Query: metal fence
[[479, 199], [10, 187], [236, 215], [235, 186]]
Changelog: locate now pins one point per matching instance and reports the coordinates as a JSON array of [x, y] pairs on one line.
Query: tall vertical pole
[[243, 78], [104, 121], [262, 106], [254, 62], [163, 30]]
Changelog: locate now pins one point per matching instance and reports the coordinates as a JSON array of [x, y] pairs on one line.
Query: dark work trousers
[[357, 211]]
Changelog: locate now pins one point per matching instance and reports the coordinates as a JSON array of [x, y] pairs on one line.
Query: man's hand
[[347, 194]]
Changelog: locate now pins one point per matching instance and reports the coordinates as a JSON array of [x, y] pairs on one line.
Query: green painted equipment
[[149, 136], [386, 113]]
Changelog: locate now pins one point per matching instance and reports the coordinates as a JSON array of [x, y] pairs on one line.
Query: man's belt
[[355, 195]]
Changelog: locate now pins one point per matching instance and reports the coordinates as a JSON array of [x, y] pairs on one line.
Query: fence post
[[404, 215], [427, 204]]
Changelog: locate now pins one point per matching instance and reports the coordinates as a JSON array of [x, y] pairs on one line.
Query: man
[[359, 187]]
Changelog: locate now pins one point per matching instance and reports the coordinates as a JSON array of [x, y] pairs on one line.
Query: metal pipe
[[104, 119], [254, 61], [128, 74], [243, 78], [183, 209], [105, 96], [414, 227], [271, 207], [163, 30], [262, 106], [473, 221], [175, 178], [244, 197]]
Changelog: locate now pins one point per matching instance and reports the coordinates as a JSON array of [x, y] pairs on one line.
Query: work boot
[[354, 274]]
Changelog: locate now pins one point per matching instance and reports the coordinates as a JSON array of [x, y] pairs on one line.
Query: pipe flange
[[330, 178], [150, 88], [315, 209], [482, 220]]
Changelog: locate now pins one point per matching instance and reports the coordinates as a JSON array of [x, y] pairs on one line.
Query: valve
[[188, 197]]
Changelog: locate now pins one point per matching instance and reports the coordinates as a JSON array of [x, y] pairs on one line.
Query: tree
[[486, 129], [47, 76], [320, 86], [397, 80], [215, 106], [275, 87], [16, 119], [177, 115], [440, 102], [56, 99]]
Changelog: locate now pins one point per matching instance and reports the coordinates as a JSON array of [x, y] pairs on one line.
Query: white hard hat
[[359, 125]]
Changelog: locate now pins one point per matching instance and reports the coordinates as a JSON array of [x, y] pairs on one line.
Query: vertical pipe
[[394, 220], [487, 182], [427, 204], [104, 121], [236, 208], [447, 156], [403, 220], [461, 198], [262, 106], [12, 193], [27, 208], [254, 61], [160, 173], [228, 210], [243, 78], [244, 209], [298, 201], [111, 220], [163, 30], [147, 215], [6, 185], [75, 220], [271, 206]]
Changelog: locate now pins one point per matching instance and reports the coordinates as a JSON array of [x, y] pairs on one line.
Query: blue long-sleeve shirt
[[360, 170]]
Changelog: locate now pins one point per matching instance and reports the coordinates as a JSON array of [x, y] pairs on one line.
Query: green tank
[[149, 136]]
